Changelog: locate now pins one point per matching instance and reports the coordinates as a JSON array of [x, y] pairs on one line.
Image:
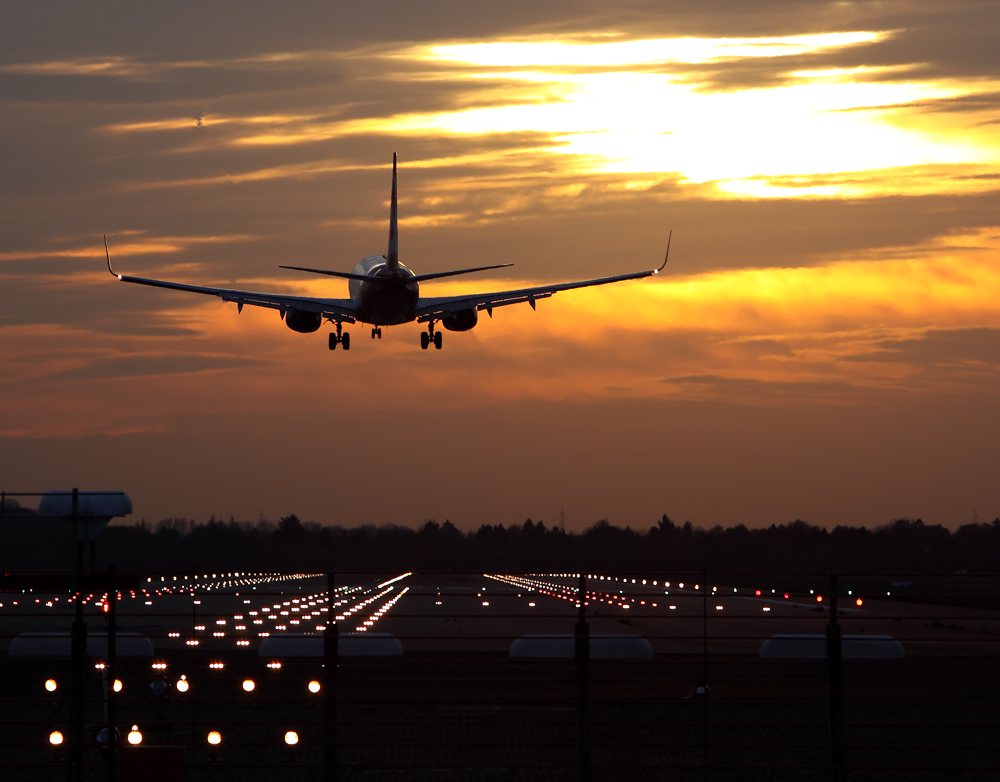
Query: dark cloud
[[970, 348], [151, 366]]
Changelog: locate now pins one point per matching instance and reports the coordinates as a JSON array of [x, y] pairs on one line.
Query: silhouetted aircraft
[[386, 293]]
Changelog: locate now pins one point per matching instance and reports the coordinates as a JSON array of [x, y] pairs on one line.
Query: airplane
[[384, 292]]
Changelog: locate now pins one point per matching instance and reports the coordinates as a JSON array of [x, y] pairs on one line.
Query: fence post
[[112, 695], [330, 657], [834, 681], [582, 655], [704, 666], [78, 673]]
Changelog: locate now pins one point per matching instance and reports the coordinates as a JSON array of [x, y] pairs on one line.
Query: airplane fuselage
[[384, 304]]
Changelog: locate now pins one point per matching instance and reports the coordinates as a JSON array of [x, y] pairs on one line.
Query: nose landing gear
[[343, 338], [430, 336]]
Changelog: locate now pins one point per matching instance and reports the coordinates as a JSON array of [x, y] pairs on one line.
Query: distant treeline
[[181, 544]]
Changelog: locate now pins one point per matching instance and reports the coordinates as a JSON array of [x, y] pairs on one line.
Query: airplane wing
[[434, 308], [342, 310]]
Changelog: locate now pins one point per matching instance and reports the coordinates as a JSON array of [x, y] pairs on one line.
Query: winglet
[[108, 255], [665, 257], [392, 257]]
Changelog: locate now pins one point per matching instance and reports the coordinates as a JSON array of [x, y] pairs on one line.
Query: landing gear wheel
[[437, 340], [333, 342], [373, 333], [425, 340], [345, 340]]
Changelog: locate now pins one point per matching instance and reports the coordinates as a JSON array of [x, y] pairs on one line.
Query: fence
[[687, 676]]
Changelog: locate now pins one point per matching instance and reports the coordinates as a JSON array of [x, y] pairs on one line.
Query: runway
[[485, 613]]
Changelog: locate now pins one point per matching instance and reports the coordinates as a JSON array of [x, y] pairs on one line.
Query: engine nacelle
[[463, 320], [303, 322]]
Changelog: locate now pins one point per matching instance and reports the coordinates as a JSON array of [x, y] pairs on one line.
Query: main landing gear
[[377, 332], [342, 338], [430, 336]]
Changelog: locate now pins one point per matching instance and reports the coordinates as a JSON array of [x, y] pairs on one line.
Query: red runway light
[[786, 595], [758, 593], [858, 601], [819, 598]]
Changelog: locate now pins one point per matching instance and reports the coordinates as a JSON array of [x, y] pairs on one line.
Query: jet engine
[[463, 320], [303, 322]]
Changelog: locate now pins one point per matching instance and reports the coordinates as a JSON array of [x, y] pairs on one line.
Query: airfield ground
[[455, 706]]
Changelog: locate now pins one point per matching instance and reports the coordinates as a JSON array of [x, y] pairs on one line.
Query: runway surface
[[485, 613]]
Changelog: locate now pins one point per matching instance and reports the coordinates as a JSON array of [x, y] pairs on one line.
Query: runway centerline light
[[50, 685], [248, 685], [314, 686], [291, 738], [117, 686], [215, 738], [55, 738], [134, 736], [183, 685]]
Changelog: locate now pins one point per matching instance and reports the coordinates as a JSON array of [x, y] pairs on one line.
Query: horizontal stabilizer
[[438, 275], [345, 275], [398, 280]]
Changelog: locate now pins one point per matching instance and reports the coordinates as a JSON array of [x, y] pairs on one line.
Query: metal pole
[[78, 657], [78, 666], [74, 528], [704, 662], [112, 695], [330, 659], [193, 698], [835, 682], [582, 655]]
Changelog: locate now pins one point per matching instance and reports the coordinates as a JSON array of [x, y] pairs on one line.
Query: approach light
[[291, 738], [50, 685], [215, 738], [314, 686], [134, 736], [55, 738], [248, 685]]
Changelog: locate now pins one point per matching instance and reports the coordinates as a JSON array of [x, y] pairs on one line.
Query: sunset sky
[[824, 343]]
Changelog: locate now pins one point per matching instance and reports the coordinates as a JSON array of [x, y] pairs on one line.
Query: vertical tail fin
[[392, 258]]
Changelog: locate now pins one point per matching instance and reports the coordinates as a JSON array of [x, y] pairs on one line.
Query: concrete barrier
[[602, 647], [813, 647], [59, 645]]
